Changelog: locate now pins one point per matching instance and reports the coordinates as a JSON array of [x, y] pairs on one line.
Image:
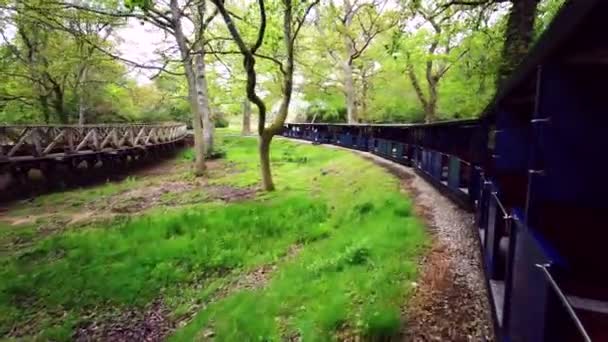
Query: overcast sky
[[139, 43]]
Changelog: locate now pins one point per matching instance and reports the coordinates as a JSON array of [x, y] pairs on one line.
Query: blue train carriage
[[544, 195], [450, 155], [532, 169]]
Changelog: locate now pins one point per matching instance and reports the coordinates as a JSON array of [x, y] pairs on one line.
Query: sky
[[139, 43]]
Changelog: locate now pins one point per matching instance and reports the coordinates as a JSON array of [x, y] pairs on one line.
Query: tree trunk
[[430, 112], [199, 148], [81, 101], [277, 125], [203, 102], [46, 113], [246, 117], [59, 106], [264, 150], [518, 36], [349, 83], [431, 106], [265, 133], [364, 92], [349, 92], [81, 110], [411, 73]]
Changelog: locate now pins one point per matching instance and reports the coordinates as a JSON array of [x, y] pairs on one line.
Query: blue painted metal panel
[[570, 128], [345, 140], [425, 159], [528, 291], [454, 173], [381, 146], [386, 147], [436, 167], [512, 144], [360, 142], [398, 153], [492, 238]]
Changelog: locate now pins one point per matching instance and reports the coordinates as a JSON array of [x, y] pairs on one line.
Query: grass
[[358, 250]]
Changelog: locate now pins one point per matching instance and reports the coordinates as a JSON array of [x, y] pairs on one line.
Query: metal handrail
[[565, 301], [505, 214]]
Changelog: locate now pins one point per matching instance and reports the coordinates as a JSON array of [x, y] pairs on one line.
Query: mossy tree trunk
[[518, 36], [246, 129], [199, 148], [264, 150], [202, 93]]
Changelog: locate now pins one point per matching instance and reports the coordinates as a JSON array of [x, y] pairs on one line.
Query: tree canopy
[[363, 60]]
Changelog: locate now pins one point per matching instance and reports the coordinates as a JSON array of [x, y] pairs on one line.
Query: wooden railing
[[22, 142]]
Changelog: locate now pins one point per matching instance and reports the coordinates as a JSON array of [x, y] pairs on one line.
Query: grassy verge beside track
[[330, 254]]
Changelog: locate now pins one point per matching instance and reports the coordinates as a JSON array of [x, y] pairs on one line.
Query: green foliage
[[144, 4], [220, 120], [469, 45], [547, 9]]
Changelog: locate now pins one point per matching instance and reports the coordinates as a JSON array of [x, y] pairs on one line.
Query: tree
[[175, 26], [519, 31], [83, 31], [291, 26], [357, 23], [519, 35], [30, 50], [48, 57], [170, 17], [444, 24], [202, 22]]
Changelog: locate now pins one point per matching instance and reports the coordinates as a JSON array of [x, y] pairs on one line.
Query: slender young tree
[[291, 26]]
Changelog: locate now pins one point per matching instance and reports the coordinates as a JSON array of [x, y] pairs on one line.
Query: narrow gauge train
[[533, 170]]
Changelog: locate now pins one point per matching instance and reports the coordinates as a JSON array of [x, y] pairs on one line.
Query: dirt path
[[164, 184]]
